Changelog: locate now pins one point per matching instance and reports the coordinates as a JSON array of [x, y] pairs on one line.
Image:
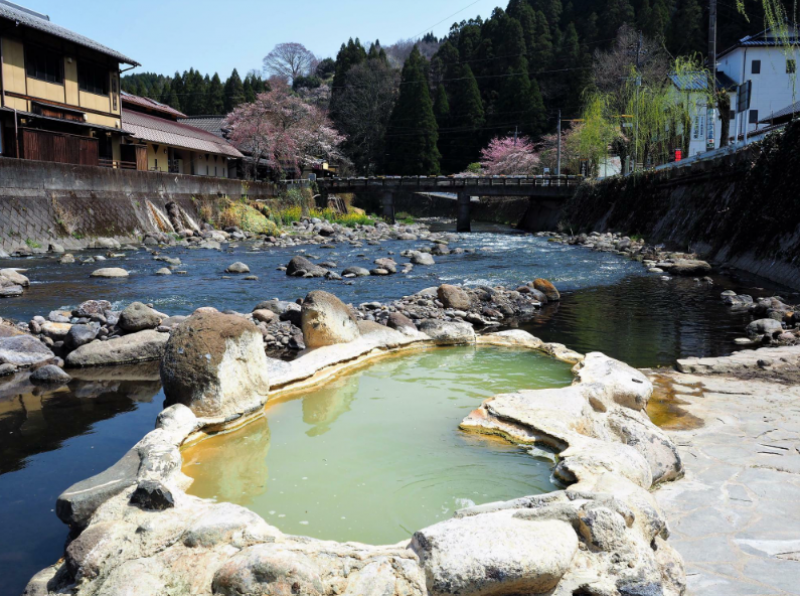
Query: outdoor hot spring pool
[[376, 454]]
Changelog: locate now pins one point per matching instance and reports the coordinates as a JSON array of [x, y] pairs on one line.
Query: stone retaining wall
[[44, 202]]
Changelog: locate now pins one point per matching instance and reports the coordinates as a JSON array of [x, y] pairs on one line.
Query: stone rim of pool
[[604, 532]]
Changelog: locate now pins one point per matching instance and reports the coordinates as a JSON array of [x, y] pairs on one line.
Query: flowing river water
[[51, 439]]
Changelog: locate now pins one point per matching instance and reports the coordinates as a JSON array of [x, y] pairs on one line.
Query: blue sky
[[218, 35]]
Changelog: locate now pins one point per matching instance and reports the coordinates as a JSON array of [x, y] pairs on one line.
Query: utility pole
[[558, 151], [712, 61], [516, 130]]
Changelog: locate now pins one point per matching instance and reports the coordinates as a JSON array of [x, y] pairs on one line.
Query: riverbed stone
[[163, 271], [495, 553], [614, 382], [686, 267], [326, 320], [11, 290], [138, 317], [91, 308], [109, 272], [356, 271], [387, 264], [547, 288], [56, 331], [215, 364], [400, 322], [422, 258], [80, 335], [142, 346], [302, 266], [237, 267], [23, 351], [15, 277], [448, 333], [50, 374], [453, 297], [762, 326], [264, 315]]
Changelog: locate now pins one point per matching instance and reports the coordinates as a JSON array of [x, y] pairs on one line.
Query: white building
[[771, 68]]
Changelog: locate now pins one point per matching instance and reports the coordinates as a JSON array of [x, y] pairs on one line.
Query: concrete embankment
[[741, 210], [44, 202]]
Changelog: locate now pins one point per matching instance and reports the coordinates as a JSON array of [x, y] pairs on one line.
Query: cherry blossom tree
[[284, 131], [509, 156]]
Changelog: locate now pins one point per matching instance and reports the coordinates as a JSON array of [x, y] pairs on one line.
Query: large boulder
[[300, 265], [547, 288], [388, 264], [422, 258], [357, 271], [215, 364], [24, 350], [496, 553], [142, 346], [326, 321], [237, 267], [453, 297], [138, 317]]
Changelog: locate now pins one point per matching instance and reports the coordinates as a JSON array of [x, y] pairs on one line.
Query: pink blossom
[[509, 156], [285, 131]]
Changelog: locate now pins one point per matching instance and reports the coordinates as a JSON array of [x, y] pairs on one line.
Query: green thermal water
[[377, 454]]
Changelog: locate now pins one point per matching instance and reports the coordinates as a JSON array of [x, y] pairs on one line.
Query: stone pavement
[[735, 517]]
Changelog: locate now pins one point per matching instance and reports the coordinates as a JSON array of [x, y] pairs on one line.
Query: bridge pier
[[387, 200], [463, 219]]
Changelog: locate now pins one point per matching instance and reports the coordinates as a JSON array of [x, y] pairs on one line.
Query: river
[[49, 440]]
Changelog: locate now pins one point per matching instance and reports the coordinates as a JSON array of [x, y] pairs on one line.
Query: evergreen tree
[[540, 55], [249, 92], [441, 106], [689, 28], [326, 68], [234, 92], [179, 89], [466, 120], [413, 134], [216, 96], [618, 12], [552, 10], [577, 63]]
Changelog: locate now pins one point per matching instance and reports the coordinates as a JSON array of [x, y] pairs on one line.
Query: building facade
[[171, 145], [59, 92]]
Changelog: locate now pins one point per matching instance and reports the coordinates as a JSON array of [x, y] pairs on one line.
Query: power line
[[445, 19]]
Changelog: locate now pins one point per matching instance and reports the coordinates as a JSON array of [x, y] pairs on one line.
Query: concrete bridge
[[535, 187]]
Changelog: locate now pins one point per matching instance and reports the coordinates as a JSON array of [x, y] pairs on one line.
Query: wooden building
[[59, 93], [172, 145]]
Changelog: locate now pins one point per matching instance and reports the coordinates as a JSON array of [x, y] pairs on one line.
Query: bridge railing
[[450, 182]]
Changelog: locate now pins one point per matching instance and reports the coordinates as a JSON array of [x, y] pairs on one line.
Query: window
[[732, 115], [755, 67], [791, 66], [44, 65], [93, 78], [753, 117]]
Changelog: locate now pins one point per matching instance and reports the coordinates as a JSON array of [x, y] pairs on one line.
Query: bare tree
[[630, 50], [289, 61]]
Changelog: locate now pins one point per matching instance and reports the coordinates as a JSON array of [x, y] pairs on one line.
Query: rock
[[547, 288], [163, 271], [142, 346], [264, 315], [686, 267], [56, 331], [56, 248], [15, 277], [77, 504], [448, 333], [215, 364], [298, 264], [50, 374], [138, 317], [238, 267], [265, 569], [80, 335], [422, 258], [400, 322], [91, 308], [616, 382], [737, 301], [763, 326], [387, 264], [325, 321], [525, 557], [379, 272], [23, 351], [11, 291], [109, 272], [356, 271], [453, 297]]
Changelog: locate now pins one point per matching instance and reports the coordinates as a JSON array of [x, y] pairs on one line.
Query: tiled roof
[[212, 124], [42, 23], [698, 81], [162, 131], [786, 113], [150, 104], [765, 39]]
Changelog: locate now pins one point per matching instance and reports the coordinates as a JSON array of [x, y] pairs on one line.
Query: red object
[[678, 154]]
